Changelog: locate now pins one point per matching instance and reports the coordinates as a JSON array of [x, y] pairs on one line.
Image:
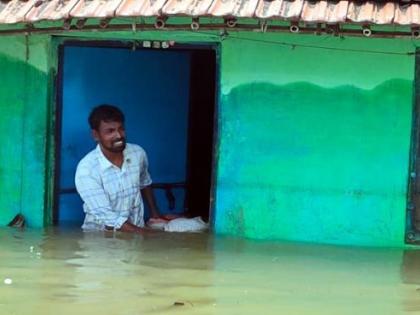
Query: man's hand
[[131, 228]]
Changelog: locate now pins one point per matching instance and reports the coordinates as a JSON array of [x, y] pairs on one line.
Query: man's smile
[[118, 143]]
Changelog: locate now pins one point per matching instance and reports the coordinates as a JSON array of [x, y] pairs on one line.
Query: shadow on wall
[[296, 160]]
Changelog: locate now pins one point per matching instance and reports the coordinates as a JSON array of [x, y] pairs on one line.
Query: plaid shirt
[[112, 195]]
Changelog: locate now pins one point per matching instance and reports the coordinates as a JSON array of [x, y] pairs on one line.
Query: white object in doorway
[[186, 225]]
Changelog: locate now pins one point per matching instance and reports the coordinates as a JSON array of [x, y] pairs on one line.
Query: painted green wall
[[23, 118], [315, 142], [313, 146]]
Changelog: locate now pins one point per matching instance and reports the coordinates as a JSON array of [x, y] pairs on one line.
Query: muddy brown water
[[65, 271]]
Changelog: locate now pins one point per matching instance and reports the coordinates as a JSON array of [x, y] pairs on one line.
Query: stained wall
[[313, 133], [24, 107], [314, 141]]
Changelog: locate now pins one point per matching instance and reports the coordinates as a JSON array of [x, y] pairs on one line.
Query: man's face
[[110, 136]]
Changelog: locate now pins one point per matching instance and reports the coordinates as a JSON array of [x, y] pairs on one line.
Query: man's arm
[[146, 188], [149, 197]]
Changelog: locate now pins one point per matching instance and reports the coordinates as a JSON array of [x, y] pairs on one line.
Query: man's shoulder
[[135, 149], [89, 161]]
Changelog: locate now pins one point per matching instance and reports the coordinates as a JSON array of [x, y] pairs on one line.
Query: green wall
[[313, 137], [23, 125], [315, 142]]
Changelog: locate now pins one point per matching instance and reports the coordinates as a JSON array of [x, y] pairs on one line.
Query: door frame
[[55, 152], [412, 235]]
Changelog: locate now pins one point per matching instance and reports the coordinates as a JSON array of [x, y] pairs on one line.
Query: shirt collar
[[105, 163]]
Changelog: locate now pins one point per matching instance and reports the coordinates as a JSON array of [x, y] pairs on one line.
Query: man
[[113, 178]]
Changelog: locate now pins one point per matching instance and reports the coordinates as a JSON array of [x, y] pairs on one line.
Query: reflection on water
[[70, 272]]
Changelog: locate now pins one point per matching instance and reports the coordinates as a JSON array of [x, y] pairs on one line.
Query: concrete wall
[[315, 142], [24, 106], [313, 146]]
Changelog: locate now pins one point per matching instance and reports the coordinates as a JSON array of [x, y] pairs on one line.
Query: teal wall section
[[23, 125], [314, 142]]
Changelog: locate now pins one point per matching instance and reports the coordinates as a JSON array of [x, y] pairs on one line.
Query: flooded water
[[70, 272]]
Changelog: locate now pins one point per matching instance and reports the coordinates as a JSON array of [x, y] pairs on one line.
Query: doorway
[[413, 201], [168, 98]]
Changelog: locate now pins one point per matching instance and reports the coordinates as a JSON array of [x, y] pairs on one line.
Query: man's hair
[[106, 113]]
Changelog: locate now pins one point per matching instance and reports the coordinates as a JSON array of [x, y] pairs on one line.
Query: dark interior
[[200, 133]]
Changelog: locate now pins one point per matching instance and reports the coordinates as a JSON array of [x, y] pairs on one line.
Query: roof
[[321, 11]]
